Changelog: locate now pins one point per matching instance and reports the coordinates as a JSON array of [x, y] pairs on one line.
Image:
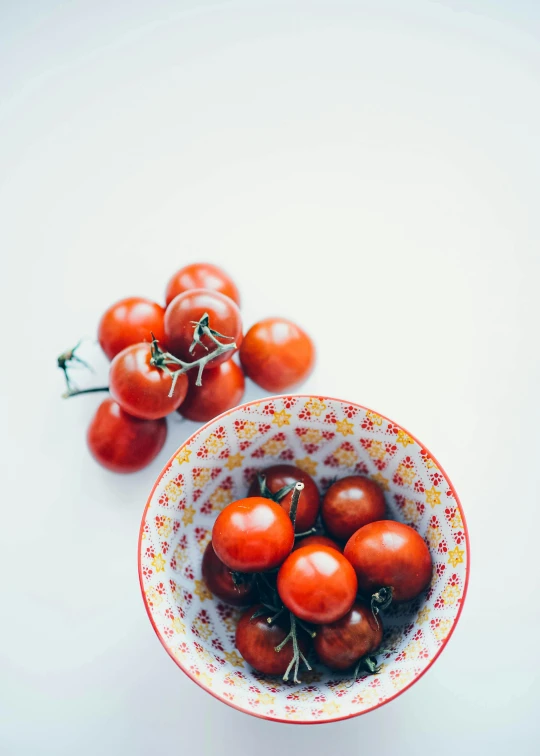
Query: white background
[[370, 169]]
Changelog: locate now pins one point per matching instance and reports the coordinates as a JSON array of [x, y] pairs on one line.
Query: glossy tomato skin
[[277, 354], [224, 317], [130, 321], [222, 388], [279, 476], [317, 540], [142, 389], [201, 276], [342, 644], [351, 503], [317, 584], [123, 443], [256, 641], [219, 581], [252, 535], [388, 554]]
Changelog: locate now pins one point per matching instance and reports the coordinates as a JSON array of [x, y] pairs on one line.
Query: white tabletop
[[370, 169]]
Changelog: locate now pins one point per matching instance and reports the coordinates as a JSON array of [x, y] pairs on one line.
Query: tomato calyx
[[381, 600], [266, 493], [162, 360], [68, 360]]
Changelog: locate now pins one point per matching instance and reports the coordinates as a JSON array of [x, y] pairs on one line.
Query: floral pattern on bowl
[[327, 438]]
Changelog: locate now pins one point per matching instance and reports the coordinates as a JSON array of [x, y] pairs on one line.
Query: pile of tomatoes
[[314, 573], [158, 355]]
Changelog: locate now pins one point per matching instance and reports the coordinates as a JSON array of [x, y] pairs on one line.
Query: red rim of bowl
[[246, 710]]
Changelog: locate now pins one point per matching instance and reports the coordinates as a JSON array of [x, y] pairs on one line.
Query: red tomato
[[142, 389], [343, 643], [123, 443], [388, 554], [317, 584], [257, 640], [318, 540], [252, 535], [224, 317], [351, 503], [279, 476], [277, 354], [219, 581], [222, 388], [130, 321], [201, 276]]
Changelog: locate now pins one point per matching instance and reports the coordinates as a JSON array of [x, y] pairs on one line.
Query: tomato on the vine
[[276, 478], [252, 535], [277, 354], [342, 643], [388, 554], [317, 584], [222, 388], [256, 640], [317, 540], [123, 443], [201, 276], [142, 389], [350, 503], [130, 321], [219, 581], [187, 309]]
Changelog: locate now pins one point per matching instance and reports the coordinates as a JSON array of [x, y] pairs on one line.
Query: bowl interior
[[327, 438]]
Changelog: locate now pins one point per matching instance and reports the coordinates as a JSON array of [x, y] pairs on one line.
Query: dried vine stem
[[159, 358], [298, 656]]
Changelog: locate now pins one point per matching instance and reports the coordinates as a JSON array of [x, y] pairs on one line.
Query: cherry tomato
[[252, 535], [189, 307], [277, 354], [142, 389], [317, 540], [351, 503], [222, 388], [219, 581], [123, 443], [257, 640], [201, 276], [343, 643], [317, 584], [279, 476], [388, 554], [130, 321]]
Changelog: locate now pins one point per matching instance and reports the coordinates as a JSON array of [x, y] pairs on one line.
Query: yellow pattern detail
[[377, 450], [187, 515], [433, 497], [345, 427], [450, 595], [178, 626], [307, 464], [311, 436], [201, 591], [234, 461], [346, 457], [330, 708], [266, 699], [456, 522], [407, 473], [272, 447], [214, 443], [173, 490], [220, 498], [165, 527], [282, 418], [455, 556], [183, 456], [441, 630], [403, 438], [315, 406], [423, 615], [374, 417], [248, 431], [158, 562], [410, 511], [233, 658], [204, 630], [381, 480], [202, 478]]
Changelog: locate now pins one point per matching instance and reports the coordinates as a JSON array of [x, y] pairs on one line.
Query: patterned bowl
[[327, 438]]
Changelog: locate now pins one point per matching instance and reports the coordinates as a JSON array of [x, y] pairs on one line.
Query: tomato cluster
[[158, 355], [315, 574]]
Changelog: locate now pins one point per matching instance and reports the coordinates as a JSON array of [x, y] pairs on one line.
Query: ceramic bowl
[[327, 438]]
